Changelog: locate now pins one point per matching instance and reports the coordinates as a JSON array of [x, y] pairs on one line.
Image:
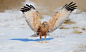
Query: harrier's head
[[44, 23]]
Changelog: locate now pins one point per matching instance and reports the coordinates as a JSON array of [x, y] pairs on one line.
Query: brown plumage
[[33, 19], [43, 29]]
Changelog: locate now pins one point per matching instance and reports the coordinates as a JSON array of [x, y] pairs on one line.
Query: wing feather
[[31, 16], [61, 16]]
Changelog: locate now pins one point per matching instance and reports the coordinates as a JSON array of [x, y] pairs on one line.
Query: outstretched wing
[[31, 16], [61, 16]]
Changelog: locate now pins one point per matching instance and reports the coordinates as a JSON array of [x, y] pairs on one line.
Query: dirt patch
[[77, 31], [69, 22], [10, 4], [81, 48]]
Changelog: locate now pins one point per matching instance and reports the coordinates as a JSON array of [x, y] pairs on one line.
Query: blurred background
[[47, 6], [51, 4]]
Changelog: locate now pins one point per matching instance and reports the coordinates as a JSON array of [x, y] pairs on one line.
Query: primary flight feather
[[33, 19]]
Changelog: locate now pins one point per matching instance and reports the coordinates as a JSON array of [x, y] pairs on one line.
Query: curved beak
[[44, 25]]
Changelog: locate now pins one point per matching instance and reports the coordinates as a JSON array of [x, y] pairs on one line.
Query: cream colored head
[[44, 23]]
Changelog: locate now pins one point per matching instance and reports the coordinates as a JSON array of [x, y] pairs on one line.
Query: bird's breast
[[44, 29]]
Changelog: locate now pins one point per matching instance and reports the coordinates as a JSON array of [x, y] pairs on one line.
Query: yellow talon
[[46, 42], [40, 42]]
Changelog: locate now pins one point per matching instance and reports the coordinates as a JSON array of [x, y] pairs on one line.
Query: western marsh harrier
[[33, 19]]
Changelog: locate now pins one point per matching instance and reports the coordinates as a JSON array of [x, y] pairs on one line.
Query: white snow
[[15, 34]]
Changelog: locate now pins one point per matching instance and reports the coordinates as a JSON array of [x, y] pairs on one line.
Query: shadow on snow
[[26, 39]]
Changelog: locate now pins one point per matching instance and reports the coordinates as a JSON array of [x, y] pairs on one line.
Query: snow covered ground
[[15, 34]]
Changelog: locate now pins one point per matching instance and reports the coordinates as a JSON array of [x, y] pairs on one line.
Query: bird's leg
[[45, 39], [40, 37], [41, 40]]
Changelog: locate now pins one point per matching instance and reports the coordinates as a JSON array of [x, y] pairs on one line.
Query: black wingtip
[[27, 8], [22, 11], [32, 6], [70, 7], [27, 5]]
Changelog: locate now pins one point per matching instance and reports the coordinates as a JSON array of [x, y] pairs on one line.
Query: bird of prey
[[33, 19]]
